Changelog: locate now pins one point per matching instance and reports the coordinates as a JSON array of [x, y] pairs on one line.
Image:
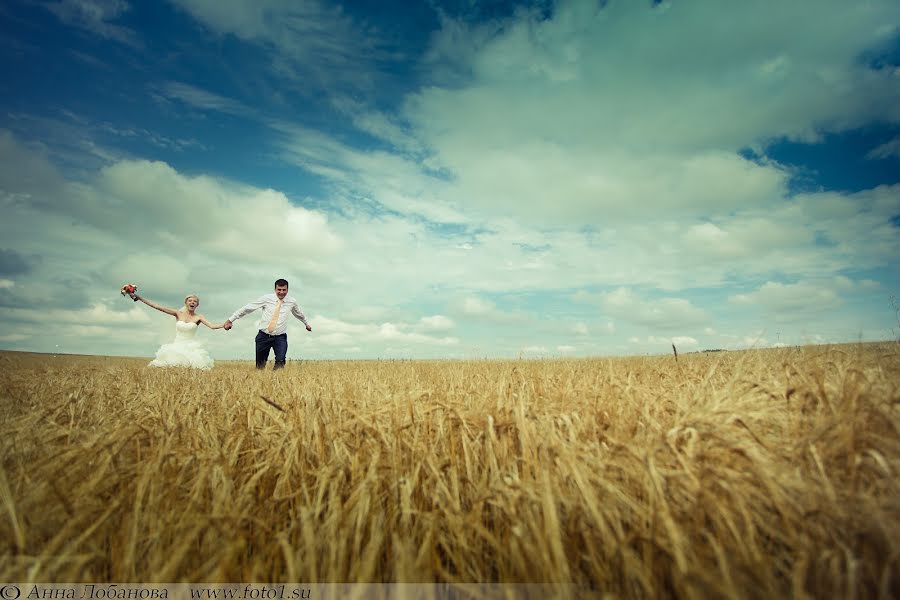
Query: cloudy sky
[[451, 179]]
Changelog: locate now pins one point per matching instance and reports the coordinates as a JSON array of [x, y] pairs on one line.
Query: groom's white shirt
[[267, 303]]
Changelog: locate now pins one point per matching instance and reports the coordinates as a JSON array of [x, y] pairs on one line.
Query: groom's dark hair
[[281, 282]]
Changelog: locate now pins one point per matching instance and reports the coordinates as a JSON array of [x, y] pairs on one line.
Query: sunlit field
[[756, 474]]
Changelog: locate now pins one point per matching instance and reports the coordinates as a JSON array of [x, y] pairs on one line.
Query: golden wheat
[[755, 474]]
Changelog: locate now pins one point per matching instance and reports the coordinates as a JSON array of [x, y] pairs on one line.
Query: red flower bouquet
[[129, 289]]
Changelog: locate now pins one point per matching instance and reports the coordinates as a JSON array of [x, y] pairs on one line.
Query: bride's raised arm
[[210, 325], [164, 309]]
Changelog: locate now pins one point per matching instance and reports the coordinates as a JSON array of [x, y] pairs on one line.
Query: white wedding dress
[[185, 351]]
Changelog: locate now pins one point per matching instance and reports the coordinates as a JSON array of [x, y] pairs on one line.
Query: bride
[[184, 351]]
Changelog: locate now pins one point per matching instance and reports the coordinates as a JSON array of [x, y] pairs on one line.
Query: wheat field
[[755, 474]]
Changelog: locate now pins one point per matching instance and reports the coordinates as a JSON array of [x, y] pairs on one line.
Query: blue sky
[[461, 179]]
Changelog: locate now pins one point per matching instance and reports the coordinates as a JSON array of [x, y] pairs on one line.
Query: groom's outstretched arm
[[299, 314], [244, 311]]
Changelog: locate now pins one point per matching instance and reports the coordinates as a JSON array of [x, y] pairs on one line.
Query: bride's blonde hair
[[188, 297]]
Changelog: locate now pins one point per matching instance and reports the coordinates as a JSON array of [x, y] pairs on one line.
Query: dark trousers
[[266, 342]]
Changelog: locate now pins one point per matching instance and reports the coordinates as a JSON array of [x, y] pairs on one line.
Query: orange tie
[[274, 320]]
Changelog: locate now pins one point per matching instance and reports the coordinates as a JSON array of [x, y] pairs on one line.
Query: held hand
[[226, 325], [308, 327]]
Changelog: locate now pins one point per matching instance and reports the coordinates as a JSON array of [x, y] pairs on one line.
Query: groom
[[272, 325]]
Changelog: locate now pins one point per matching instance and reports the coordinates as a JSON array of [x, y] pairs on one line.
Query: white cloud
[[152, 203], [96, 16], [595, 185], [157, 273], [801, 296], [25, 173], [392, 332], [203, 99], [334, 332], [334, 339], [6, 284], [657, 344], [13, 337], [607, 328], [377, 124], [534, 350], [889, 149], [680, 341], [684, 340], [315, 42], [365, 313], [742, 237], [502, 254], [98, 314], [753, 341], [602, 127], [475, 306], [566, 349], [664, 313], [436, 323], [393, 181]]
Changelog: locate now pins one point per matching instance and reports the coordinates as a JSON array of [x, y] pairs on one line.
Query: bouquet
[[129, 289]]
